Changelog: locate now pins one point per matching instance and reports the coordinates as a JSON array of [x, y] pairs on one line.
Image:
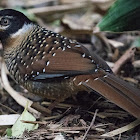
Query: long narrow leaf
[[124, 15]]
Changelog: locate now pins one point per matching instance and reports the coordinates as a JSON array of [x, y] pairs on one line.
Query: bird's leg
[[53, 105], [42, 109]]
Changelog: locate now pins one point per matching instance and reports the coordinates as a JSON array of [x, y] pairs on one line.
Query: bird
[[56, 67]]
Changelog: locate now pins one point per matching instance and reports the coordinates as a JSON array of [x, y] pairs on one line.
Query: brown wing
[[51, 55]]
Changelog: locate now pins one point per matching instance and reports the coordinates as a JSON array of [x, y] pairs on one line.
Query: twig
[[57, 116], [60, 105], [57, 8], [91, 124], [128, 55], [92, 1], [99, 114], [122, 129], [41, 109], [34, 122], [35, 3], [64, 129], [8, 108], [52, 117], [105, 40]]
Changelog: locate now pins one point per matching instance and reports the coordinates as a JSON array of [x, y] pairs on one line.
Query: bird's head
[[12, 23]]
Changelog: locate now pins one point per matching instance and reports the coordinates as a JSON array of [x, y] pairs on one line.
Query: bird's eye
[[4, 21]]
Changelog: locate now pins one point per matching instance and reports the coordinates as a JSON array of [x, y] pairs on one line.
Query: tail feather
[[118, 91], [127, 85], [123, 87]]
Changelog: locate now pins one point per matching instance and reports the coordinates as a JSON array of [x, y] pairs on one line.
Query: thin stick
[[91, 124], [34, 122], [57, 8], [122, 129], [127, 56], [8, 108]]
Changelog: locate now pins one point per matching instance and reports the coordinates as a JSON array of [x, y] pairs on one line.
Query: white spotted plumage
[[44, 70], [53, 54], [48, 62]]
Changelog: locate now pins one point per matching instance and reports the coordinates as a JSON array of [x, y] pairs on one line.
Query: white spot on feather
[[92, 61], [41, 45], [78, 46], [39, 52], [71, 41], [53, 54], [66, 77], [96, 70], [96, 79], [63, 49], [43, 57], [87, 81], [74, 79], [44, 70], [48, 63], [83, 55], [80, 84], [52, 48], [105, 76], [25, 78]]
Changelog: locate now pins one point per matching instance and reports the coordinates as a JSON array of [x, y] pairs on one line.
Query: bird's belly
[[52, 89]]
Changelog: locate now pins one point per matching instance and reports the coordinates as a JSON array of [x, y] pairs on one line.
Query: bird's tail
[[116, 90]]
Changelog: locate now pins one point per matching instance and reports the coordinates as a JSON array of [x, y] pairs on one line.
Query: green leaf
[[136, 43], [9, 132], [19, 127], [124, 15]]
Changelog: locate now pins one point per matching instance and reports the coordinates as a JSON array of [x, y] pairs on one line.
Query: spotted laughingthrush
[[53, 66]]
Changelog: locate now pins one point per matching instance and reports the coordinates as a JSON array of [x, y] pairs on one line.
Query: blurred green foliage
[[124, 15]]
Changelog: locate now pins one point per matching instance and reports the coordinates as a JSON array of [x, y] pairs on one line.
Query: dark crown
[[14, 13]]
